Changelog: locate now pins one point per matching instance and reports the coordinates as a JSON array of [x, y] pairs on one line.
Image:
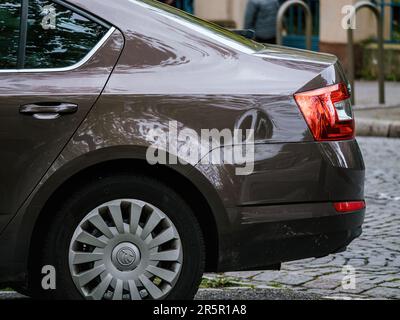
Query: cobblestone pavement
[[375, 256]]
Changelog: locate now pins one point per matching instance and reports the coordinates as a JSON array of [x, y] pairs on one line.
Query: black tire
[[120, 186]]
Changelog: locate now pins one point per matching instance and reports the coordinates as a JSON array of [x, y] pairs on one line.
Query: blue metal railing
[[295, 21], [393, 16], [295, 26]]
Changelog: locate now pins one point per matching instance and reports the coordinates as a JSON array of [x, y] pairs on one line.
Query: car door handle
[[48, 111]]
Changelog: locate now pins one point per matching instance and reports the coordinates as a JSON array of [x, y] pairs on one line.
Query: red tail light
[[344, 207], [328, 112]]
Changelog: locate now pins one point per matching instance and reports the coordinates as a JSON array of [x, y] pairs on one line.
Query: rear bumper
[[284, 210], [263, 241]]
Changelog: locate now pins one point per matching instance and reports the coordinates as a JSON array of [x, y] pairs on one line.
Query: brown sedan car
[[88, 89]]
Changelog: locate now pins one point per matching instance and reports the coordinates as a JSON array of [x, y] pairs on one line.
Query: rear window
[[58, 37], [43, 34], [212, 30]]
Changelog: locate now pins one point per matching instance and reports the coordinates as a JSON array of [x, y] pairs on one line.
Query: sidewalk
[[373, 119]]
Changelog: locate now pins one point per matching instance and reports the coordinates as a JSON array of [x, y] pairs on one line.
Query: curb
[[378, 128]]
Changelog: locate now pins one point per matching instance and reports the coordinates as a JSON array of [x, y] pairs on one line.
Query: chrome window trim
[[70, 68]]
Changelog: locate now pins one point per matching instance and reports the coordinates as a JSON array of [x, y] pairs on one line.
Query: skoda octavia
[[82, 86]]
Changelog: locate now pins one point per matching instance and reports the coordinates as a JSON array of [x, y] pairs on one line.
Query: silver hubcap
[[125, 250]]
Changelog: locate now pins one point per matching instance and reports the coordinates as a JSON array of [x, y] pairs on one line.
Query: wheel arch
[[188, 182]]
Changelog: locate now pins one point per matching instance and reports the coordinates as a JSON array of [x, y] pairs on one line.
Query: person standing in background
[[261, 16], [185, 5]]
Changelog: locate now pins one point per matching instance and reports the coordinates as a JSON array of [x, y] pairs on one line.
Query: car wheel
[[124, 237]]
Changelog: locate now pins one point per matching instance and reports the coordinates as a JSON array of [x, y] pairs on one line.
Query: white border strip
[[73, 67]]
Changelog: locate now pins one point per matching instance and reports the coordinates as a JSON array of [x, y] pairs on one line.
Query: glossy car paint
[[171, 70]]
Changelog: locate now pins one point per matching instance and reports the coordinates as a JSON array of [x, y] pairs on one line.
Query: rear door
[[54, 63]]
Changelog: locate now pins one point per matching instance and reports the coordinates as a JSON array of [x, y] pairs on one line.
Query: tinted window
[[9, 33], [58, 37]]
